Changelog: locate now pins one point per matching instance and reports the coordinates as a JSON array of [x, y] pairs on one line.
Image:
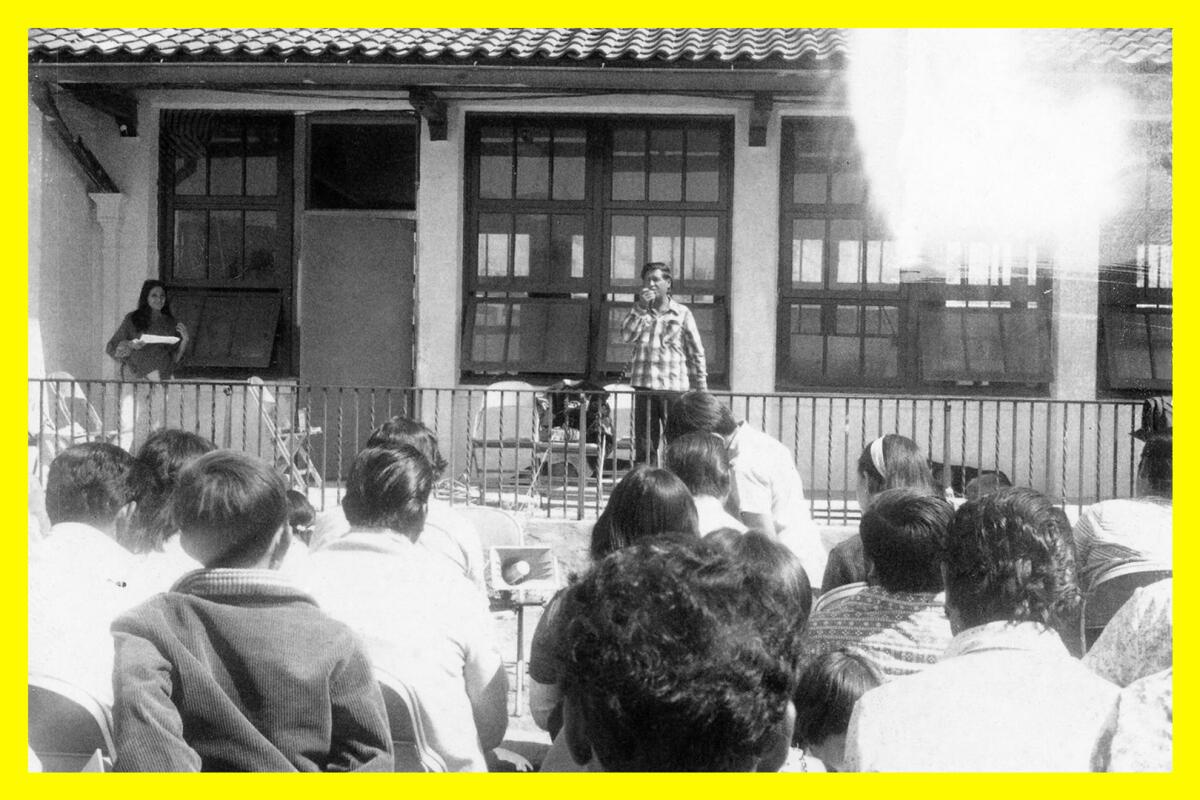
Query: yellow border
[[673, 13]]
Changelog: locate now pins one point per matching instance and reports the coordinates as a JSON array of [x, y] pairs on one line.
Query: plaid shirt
[[667, 352]]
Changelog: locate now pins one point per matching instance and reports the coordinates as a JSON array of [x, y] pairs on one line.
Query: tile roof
[[1098, 46]]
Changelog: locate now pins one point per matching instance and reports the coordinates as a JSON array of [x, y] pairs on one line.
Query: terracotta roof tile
[[1096, 46]]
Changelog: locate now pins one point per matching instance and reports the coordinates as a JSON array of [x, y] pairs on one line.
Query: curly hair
[[1009, 556], [646, 502], [662, 667], [155, 477]]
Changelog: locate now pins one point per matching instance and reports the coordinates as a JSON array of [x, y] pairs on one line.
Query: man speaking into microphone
[[668, 357]]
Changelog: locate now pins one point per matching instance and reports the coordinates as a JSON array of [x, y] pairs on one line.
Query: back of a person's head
[[1009, 556], [301, 515], [828, 689], [902, 536], [388, 487], [777, 590], [229, 507], [1155, 467], [661, 669], [155, 475], [88, 483], [698, 411], [700, 461], [895, 462], [399, 431], [985, 483], [648, 501]]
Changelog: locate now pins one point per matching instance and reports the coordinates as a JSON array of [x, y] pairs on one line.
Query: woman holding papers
[[150, 342]]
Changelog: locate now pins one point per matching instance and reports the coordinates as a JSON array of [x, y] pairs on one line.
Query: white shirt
[[713, 516], [421, 621], [766, 482], [1005, 697], [1126, 529], [80, 579]]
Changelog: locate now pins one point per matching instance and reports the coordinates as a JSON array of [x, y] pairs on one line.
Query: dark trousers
[[649, 415]]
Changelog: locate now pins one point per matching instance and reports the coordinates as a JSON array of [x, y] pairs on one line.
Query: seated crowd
[[227, 626]]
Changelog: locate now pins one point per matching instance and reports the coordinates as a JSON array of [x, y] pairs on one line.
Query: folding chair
[[504, 422], [289, 441], [68, 417], [409, 742], [568, 458], [67, 725], [1111, 589], [620, 400]]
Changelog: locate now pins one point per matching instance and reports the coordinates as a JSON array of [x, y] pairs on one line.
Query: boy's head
[[402, 430], [985, 483], [662, 668], [89, 483], [829, 687], [698, 411], [700, 461], [231, 510], [388, 487], [902, 533]]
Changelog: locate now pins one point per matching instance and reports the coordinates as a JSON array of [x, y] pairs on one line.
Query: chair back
[[409, 743], [68, 416], [496, 527], [1111, 590], [620, 400], [505, 414], [837, 594], [67, 725]]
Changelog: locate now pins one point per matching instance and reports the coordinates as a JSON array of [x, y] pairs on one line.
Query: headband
[[877, 457]]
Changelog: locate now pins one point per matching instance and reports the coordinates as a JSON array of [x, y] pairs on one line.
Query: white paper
[[150, 338]]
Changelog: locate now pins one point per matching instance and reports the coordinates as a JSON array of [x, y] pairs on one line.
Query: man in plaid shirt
[[668, 357]]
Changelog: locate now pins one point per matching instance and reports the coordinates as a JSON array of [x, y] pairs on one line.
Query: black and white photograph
[[600, 400]]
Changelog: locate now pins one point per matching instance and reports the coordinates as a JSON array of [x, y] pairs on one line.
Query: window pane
[[942, 353], [703, 165], [883, 265], [629, 164], [811, 137], [191, 172], [531, 246], [492, 259], [808, 250], [626, 248], [533, 163], [881, 359], [665, 242], [490, 333], [700, 248], [810, 187], [1027, 344], [710, 321], [842, 358], [495, 163], [1128, 345], [363, 166], [549, 336], [190, 236], [846, 235], [849, 187], [224, 244], [225, 155], [260, 246], [1160, 345], [566, 247], [616, 352], [666, 164], [806, 354], [262, 159], [570, 146], [846, 321], [1154, 261], [985, 349]]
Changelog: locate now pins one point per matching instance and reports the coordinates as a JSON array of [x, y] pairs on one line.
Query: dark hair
[[388, 487], [1154, 467], [700, 461], [648, 501], [985, 483], [141, 315], [88, 483], [663, 266], [904, 464], [301, 515], [777, 590], [698, 411], [1009, 557], [829, 687], [902, 535], [234, 503], [402, 430], [155, 476], [661, 667]]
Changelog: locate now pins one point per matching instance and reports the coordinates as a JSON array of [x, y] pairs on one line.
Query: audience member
[[421, 618], [446, 532], [80, 578], [700, 461], [1126, 529], [662, 671], [646, 502], [235, 669], [767, 492], [829, 687], [301, 516], [984, 484], [1144, 729], [898, 622], [1138, 640], [1006, 696], [888, 462]]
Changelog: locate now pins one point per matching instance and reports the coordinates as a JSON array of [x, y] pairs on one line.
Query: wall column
[[1075, 324], [106, 279]]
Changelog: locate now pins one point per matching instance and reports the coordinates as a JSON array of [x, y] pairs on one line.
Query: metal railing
[[499, 452]]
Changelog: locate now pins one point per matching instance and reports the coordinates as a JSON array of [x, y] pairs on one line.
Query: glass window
[[360, 166]]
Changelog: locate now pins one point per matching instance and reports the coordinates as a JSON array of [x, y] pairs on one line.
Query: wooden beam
[[432, 109], [119, 104], [93, 170], [760, 116]]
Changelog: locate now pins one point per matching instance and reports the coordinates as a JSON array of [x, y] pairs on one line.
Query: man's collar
[[1006, 635], [224, 582]]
